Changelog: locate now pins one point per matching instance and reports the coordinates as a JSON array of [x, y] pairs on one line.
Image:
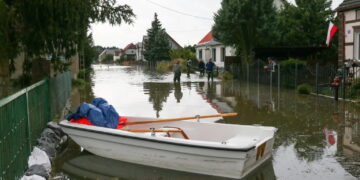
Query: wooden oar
[[180, 119], [149, 130]]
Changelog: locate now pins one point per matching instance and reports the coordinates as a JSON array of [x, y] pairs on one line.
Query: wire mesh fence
[[23, 116], [319, 78]]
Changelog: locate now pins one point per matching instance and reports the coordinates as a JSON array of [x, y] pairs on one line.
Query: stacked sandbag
[[39, 162]]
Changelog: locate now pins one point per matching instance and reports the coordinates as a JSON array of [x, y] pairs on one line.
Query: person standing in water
[[188, 67], [210, 69], [201, 67], [177, 71]]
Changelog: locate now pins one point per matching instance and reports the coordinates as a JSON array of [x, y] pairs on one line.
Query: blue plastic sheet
[[99, 113]]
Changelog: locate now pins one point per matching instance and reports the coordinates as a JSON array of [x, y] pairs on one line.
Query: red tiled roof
[[130, 46], [207, 38]]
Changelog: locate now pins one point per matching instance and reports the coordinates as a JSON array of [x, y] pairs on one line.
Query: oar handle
[[180, 119]]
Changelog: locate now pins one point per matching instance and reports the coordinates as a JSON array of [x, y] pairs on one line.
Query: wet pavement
[[317, 138]]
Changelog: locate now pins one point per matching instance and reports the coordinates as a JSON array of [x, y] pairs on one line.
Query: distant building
[[139, 51], [173, 43], [208, 47], [118, 54], [140, 46], [349, 31], [129, 52], [106, 52]]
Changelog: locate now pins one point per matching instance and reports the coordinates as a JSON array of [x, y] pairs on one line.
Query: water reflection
[[177, 93], [158, 94], [109, 169]]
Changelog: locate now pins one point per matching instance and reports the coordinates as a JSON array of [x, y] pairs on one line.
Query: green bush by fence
[[23, 116]]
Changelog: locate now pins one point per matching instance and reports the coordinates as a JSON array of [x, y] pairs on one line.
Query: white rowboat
[[206, 148]]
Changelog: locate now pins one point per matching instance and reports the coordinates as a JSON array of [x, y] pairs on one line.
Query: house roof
[[130, 46], [208, 40], [173, 40], [348, 5]]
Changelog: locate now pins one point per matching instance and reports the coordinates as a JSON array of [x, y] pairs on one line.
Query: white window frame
[[213, 53], [357, 45]]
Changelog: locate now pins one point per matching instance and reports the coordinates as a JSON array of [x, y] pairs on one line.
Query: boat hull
[[232, 163]]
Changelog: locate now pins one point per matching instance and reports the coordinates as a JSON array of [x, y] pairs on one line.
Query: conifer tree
[[156, 45]]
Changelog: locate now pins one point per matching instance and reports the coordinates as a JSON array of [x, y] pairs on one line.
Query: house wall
[[207, 53], [350, 23]]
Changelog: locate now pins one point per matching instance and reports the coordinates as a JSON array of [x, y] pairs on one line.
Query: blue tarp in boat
[[99, 113]]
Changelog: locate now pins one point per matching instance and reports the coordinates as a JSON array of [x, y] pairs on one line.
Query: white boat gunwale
[[78, 127]]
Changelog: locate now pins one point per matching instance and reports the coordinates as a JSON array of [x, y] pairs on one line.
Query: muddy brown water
[[317, 137]]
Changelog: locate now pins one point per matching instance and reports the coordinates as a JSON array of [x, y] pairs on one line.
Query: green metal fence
[[23, 116]]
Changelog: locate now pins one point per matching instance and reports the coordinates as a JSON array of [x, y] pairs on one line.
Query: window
[[200, 53], [214, 54], [358, 14], [222, 54], [357, 45]]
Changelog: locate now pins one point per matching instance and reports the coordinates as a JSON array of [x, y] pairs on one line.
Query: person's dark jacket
[[201, 66], [210, 66]]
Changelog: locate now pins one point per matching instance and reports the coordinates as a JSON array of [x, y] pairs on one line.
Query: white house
[[106, 52], [129, 52], [208, 47], [118, 54], [349, 31]]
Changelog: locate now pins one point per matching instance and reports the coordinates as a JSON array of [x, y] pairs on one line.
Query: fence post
[[28, 117], [344, 83], [271, 74], [296, 68], [317, 79], [279, 82], [248, 78]]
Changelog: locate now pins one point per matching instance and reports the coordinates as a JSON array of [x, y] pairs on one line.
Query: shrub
[[292, 62], [79, 83], [163, 67], [355, 88], [304, 89], [226, 75], [288, 70]]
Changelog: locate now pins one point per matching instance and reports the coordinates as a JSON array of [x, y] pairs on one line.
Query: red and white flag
[[331, 32]]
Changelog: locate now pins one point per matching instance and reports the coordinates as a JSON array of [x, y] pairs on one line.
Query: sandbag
[[33, 177], [37, 170], [39, 157]]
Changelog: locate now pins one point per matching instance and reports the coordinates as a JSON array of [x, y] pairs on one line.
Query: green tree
[[246, 24], [306, 23], [184, 53], [56, 28], [157, 45]]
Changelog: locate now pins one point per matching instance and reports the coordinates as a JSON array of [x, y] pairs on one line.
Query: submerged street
[[317, 138]]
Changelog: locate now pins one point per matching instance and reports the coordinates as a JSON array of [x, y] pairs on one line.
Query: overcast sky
[[187, 21]]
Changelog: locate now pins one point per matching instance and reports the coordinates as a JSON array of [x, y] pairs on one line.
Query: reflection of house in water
[[212, 93], [349, 141]]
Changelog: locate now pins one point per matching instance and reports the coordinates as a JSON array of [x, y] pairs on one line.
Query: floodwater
[[317, 137]]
